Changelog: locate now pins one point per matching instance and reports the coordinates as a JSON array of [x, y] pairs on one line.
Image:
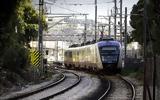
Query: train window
[[66, 54], [77, 52], [70, 54], [89, 51], [109, 48]]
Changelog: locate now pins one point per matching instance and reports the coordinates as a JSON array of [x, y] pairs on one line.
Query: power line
[[66, 8], [80, 4]]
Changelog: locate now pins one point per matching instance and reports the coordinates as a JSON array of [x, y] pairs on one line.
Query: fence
[[152, 79], [157, 78]]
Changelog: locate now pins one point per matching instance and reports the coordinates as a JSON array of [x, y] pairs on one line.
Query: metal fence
[[149, 79], [134, 63], [157, 78], [152, 78]]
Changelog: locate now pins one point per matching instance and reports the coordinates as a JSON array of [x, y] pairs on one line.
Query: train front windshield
[[109, 54]]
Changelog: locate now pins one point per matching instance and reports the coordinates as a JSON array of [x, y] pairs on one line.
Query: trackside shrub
[[15, 58]]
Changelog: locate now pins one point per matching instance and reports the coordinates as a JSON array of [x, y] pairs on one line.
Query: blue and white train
[[103, 55]]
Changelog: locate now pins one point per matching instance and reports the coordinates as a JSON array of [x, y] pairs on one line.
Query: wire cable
[[80, 4], [66, 8]]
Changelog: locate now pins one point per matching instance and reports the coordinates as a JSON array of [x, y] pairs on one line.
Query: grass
[[131, 72]]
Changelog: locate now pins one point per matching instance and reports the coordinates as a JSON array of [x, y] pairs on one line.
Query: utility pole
[[85, 28], [102, 32], [95, 20], [125, 37], [115, 18], [40, 35], [109, 27], [57, 51], [121, 21], [144, 48]]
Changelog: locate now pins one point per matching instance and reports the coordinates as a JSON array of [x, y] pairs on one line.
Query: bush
[[15, 58], [136, 73], [127, 71]]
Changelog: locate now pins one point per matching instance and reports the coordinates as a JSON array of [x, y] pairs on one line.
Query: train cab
[[109, 54]]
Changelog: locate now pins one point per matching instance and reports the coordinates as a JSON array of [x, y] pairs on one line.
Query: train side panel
[[68, 58], [86, 57], [99, 56]]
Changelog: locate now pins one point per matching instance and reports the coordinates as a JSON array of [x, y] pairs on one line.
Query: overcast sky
[[87, 6]]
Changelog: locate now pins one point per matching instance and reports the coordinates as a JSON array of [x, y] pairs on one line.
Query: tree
[[137, 22], [7, 11], [153, 25], [18, 26], [27, 22]]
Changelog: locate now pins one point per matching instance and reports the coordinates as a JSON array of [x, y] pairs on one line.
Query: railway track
[[106, 91], [125, 91], [49, 91], [133, 94], [72, 84], [116, 88], [121, 89], [99, 94]]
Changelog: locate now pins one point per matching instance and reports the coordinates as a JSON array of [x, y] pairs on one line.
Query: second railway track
[[91, 88], [121, 89], [71, 83], [46, 92]]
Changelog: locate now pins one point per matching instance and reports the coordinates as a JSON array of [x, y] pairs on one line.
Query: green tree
[[137, 22], [153, 25], [18, 26], [27, 22], [6, 27]]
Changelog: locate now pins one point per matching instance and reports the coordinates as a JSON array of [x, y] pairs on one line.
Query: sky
[[87, 6]]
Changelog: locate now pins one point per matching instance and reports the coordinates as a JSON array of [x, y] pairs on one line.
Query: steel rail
[[23, 95], [64, 90], [106, 92], [131, 85]]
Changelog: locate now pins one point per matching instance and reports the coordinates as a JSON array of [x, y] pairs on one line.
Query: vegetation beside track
[[18, 26], [132, 72]]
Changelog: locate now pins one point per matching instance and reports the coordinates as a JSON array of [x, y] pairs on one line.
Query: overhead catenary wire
[[80, 4], [58, 4], [66, 8]]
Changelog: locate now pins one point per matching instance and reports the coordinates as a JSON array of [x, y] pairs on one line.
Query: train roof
[[91, 42], [79, 47], [108, 43], [100, 44]]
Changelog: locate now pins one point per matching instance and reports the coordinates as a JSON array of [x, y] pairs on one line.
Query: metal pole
[[121, 21], [102, 32], [40, 35], [109, 27], [85, 28], [62, 52], [95, 20], [57, 51], [144, 47], [115, 19], [125, 39]]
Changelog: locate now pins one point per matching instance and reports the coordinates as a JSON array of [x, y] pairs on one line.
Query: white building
[[52, 50]]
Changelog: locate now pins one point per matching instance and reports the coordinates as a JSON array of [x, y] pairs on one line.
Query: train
[[105, 55]]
